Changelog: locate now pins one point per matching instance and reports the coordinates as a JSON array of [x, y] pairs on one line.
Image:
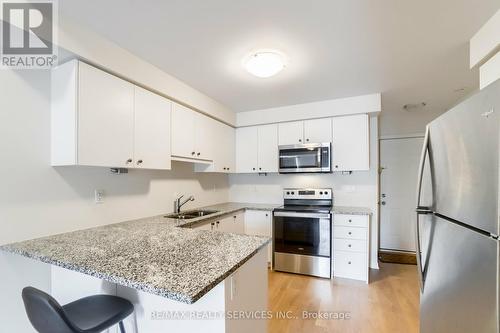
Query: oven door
[[304, 158], [306, 234]]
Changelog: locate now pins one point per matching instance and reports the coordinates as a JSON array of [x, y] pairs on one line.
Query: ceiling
[[411, 51]]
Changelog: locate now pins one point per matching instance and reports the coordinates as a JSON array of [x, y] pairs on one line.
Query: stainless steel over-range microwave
[[305, 158]]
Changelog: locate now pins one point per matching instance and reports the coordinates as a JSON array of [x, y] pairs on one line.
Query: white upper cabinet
[[105, 118], [183, 131], [257, 149], [192, 134], [318, 130], [291, 133], [152, 134], [308, 131], [350, 148], [246, 149], [98, 119], [223, 145], [267, 148]]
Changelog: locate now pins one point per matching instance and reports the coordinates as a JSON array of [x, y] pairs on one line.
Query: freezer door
[[463, 151], [460, 279]]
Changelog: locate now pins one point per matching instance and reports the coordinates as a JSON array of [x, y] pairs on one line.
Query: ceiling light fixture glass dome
[[264, 64]]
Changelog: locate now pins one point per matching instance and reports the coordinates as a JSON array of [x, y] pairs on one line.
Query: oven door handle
[[306, 215]]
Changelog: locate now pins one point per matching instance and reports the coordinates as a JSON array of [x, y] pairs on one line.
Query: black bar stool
[[92, 314]]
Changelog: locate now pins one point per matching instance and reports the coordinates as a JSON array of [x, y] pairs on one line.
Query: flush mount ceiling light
[[264, 64]]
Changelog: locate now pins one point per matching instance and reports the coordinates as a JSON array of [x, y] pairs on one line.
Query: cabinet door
[[246, 149], [230, 152], [350, 147], [259, 223], [204, 226], [152, 130], [236, 223], [318, 130], [291, 133], [205, 137], [268, 148], [183, 131], [105, 119]]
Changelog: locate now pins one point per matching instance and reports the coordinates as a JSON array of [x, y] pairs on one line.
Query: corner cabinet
[[257, 149], [350, 145], [98, 119]]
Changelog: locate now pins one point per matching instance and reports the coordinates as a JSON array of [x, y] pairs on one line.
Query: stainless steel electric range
[[302, 232]]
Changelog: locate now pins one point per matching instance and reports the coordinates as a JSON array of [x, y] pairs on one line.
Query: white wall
[[358, 189], [37, 199], [321, 109]]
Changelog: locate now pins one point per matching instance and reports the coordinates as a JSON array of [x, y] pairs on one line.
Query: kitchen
[[107, 142]]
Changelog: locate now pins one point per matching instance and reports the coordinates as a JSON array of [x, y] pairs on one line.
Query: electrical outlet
[[99, 196]]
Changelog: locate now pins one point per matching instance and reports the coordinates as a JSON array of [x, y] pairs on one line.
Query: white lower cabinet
[[351, 234], [259, 223]]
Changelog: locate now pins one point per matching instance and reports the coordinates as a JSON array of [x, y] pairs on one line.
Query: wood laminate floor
[[388, 304]]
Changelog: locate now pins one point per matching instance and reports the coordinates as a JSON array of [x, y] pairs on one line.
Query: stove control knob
[[320, 193], [288, 193], [293, 193]]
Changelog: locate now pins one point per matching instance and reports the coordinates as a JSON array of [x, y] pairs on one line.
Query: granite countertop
[[157, 255], [351, 210]]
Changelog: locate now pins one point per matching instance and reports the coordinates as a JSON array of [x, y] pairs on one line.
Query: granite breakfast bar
[[179, 278]]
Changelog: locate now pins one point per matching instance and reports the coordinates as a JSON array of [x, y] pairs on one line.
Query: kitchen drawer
[[351, 220], [351, 265], [349, 245], [349, 232]]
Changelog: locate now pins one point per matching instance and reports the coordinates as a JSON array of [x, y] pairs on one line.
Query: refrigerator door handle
[[421, 210]]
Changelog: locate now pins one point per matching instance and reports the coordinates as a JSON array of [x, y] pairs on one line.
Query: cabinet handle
[[350, 220], [267, 215], [350, 233], [300, 140], [307, 140], [260, 168], [234, 217], [129, 161], [253, 168], [336, 167], [349, 245], [349, 262], [193, 152], [198, 154], [139, 162]]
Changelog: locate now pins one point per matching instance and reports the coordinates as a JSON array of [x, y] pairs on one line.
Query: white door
[[399, 159], [246, 149], [350, 146], [105, 119], [205, 137], [183, 131], [291, 133], [152, 130], [268, 148], [318, 130]]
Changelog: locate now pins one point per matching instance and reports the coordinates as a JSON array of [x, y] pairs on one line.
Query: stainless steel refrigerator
[[458, 218]]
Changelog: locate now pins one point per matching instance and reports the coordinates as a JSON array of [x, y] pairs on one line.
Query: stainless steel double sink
[[191, 214]]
